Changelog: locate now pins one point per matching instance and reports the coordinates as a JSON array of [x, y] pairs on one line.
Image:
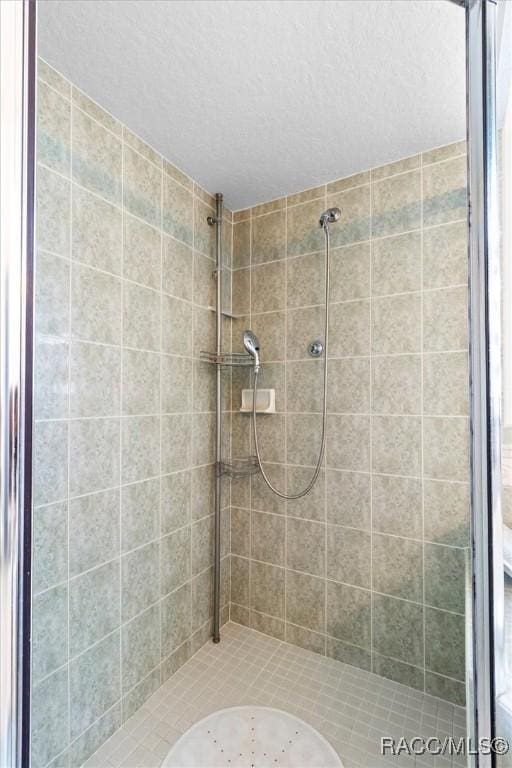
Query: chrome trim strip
[[17, 83], [485, 363]]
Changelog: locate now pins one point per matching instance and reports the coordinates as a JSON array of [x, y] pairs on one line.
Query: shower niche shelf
[[239, 467], [265, 401], [227, 359]]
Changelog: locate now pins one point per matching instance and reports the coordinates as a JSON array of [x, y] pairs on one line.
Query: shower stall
[[267, 419]]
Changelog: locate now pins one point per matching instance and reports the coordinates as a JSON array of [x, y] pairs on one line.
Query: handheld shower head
[[252, 346], [330, 216]]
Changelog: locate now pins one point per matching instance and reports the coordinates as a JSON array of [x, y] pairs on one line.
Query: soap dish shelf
[[239, 467], [265, 401], [227, 359]]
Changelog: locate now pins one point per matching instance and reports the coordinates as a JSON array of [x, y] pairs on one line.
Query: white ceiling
[[262, 98]]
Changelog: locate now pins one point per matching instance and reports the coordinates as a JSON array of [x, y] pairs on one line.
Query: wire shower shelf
[[239, 467], [227, 359]]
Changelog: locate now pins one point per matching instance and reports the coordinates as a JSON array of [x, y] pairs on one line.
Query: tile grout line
[[68, 499], [422, 436], [121, 430], [160, 393], [191, 418], [371, 363], [325, 464], [286, 502]]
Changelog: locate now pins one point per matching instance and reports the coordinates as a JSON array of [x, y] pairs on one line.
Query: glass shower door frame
[[17, 162], [485, 649]]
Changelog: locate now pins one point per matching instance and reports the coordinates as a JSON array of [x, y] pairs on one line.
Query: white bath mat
[[252, 737]]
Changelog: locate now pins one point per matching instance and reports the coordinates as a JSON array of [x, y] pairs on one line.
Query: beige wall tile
[[396, 442], [142, 187], [305, 277], [141, 317], [142, 255], [444, 191], [268, 287], [308, 194], [53, 130], [396, 324], [348, 442], [350, 272], [95, 306], [397, 505], [52, 77], [349, 614], [397, 567], [348, 498], [304, 386], [446, 512], [270, 330], [396, 384], [96, 157], [340, 185], [446, 384], [303, 234], [349, 556], [397, 627], [241, 244], [305, 546], [262, 497], [349, 332], [392, 169], [177, 268], [267, 589], [303, 438], [354, 224], [204, 234], [396, 204], [349, 386], [268, 237], [305, 601], [445, 320], [95, 380], [177, 211], [303, 327], [97, 232], [53, 212], [444, 153], [446, 448], [445, 577], [311, 506], [268, 538], [93, 109], [396, 264], [445, 255]]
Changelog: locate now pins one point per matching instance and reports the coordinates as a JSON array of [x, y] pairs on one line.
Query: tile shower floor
[[350, 707]]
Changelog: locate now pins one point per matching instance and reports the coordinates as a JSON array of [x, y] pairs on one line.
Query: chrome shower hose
[[314, 478]]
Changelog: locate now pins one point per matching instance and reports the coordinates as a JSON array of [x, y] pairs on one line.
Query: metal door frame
[[17, 170], [485, 638]]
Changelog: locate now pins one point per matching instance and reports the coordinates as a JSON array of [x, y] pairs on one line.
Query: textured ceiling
[[263, 98]]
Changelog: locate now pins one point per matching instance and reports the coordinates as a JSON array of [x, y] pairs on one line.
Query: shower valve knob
[[316, 348]]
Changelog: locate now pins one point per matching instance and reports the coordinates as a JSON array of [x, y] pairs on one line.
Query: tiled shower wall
[[124, 424], [370, 567]]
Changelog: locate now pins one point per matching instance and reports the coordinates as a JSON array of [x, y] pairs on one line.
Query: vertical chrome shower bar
[[218, 418]]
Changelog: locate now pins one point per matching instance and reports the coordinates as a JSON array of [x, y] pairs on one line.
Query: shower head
[[252, 346], [330, 216]]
